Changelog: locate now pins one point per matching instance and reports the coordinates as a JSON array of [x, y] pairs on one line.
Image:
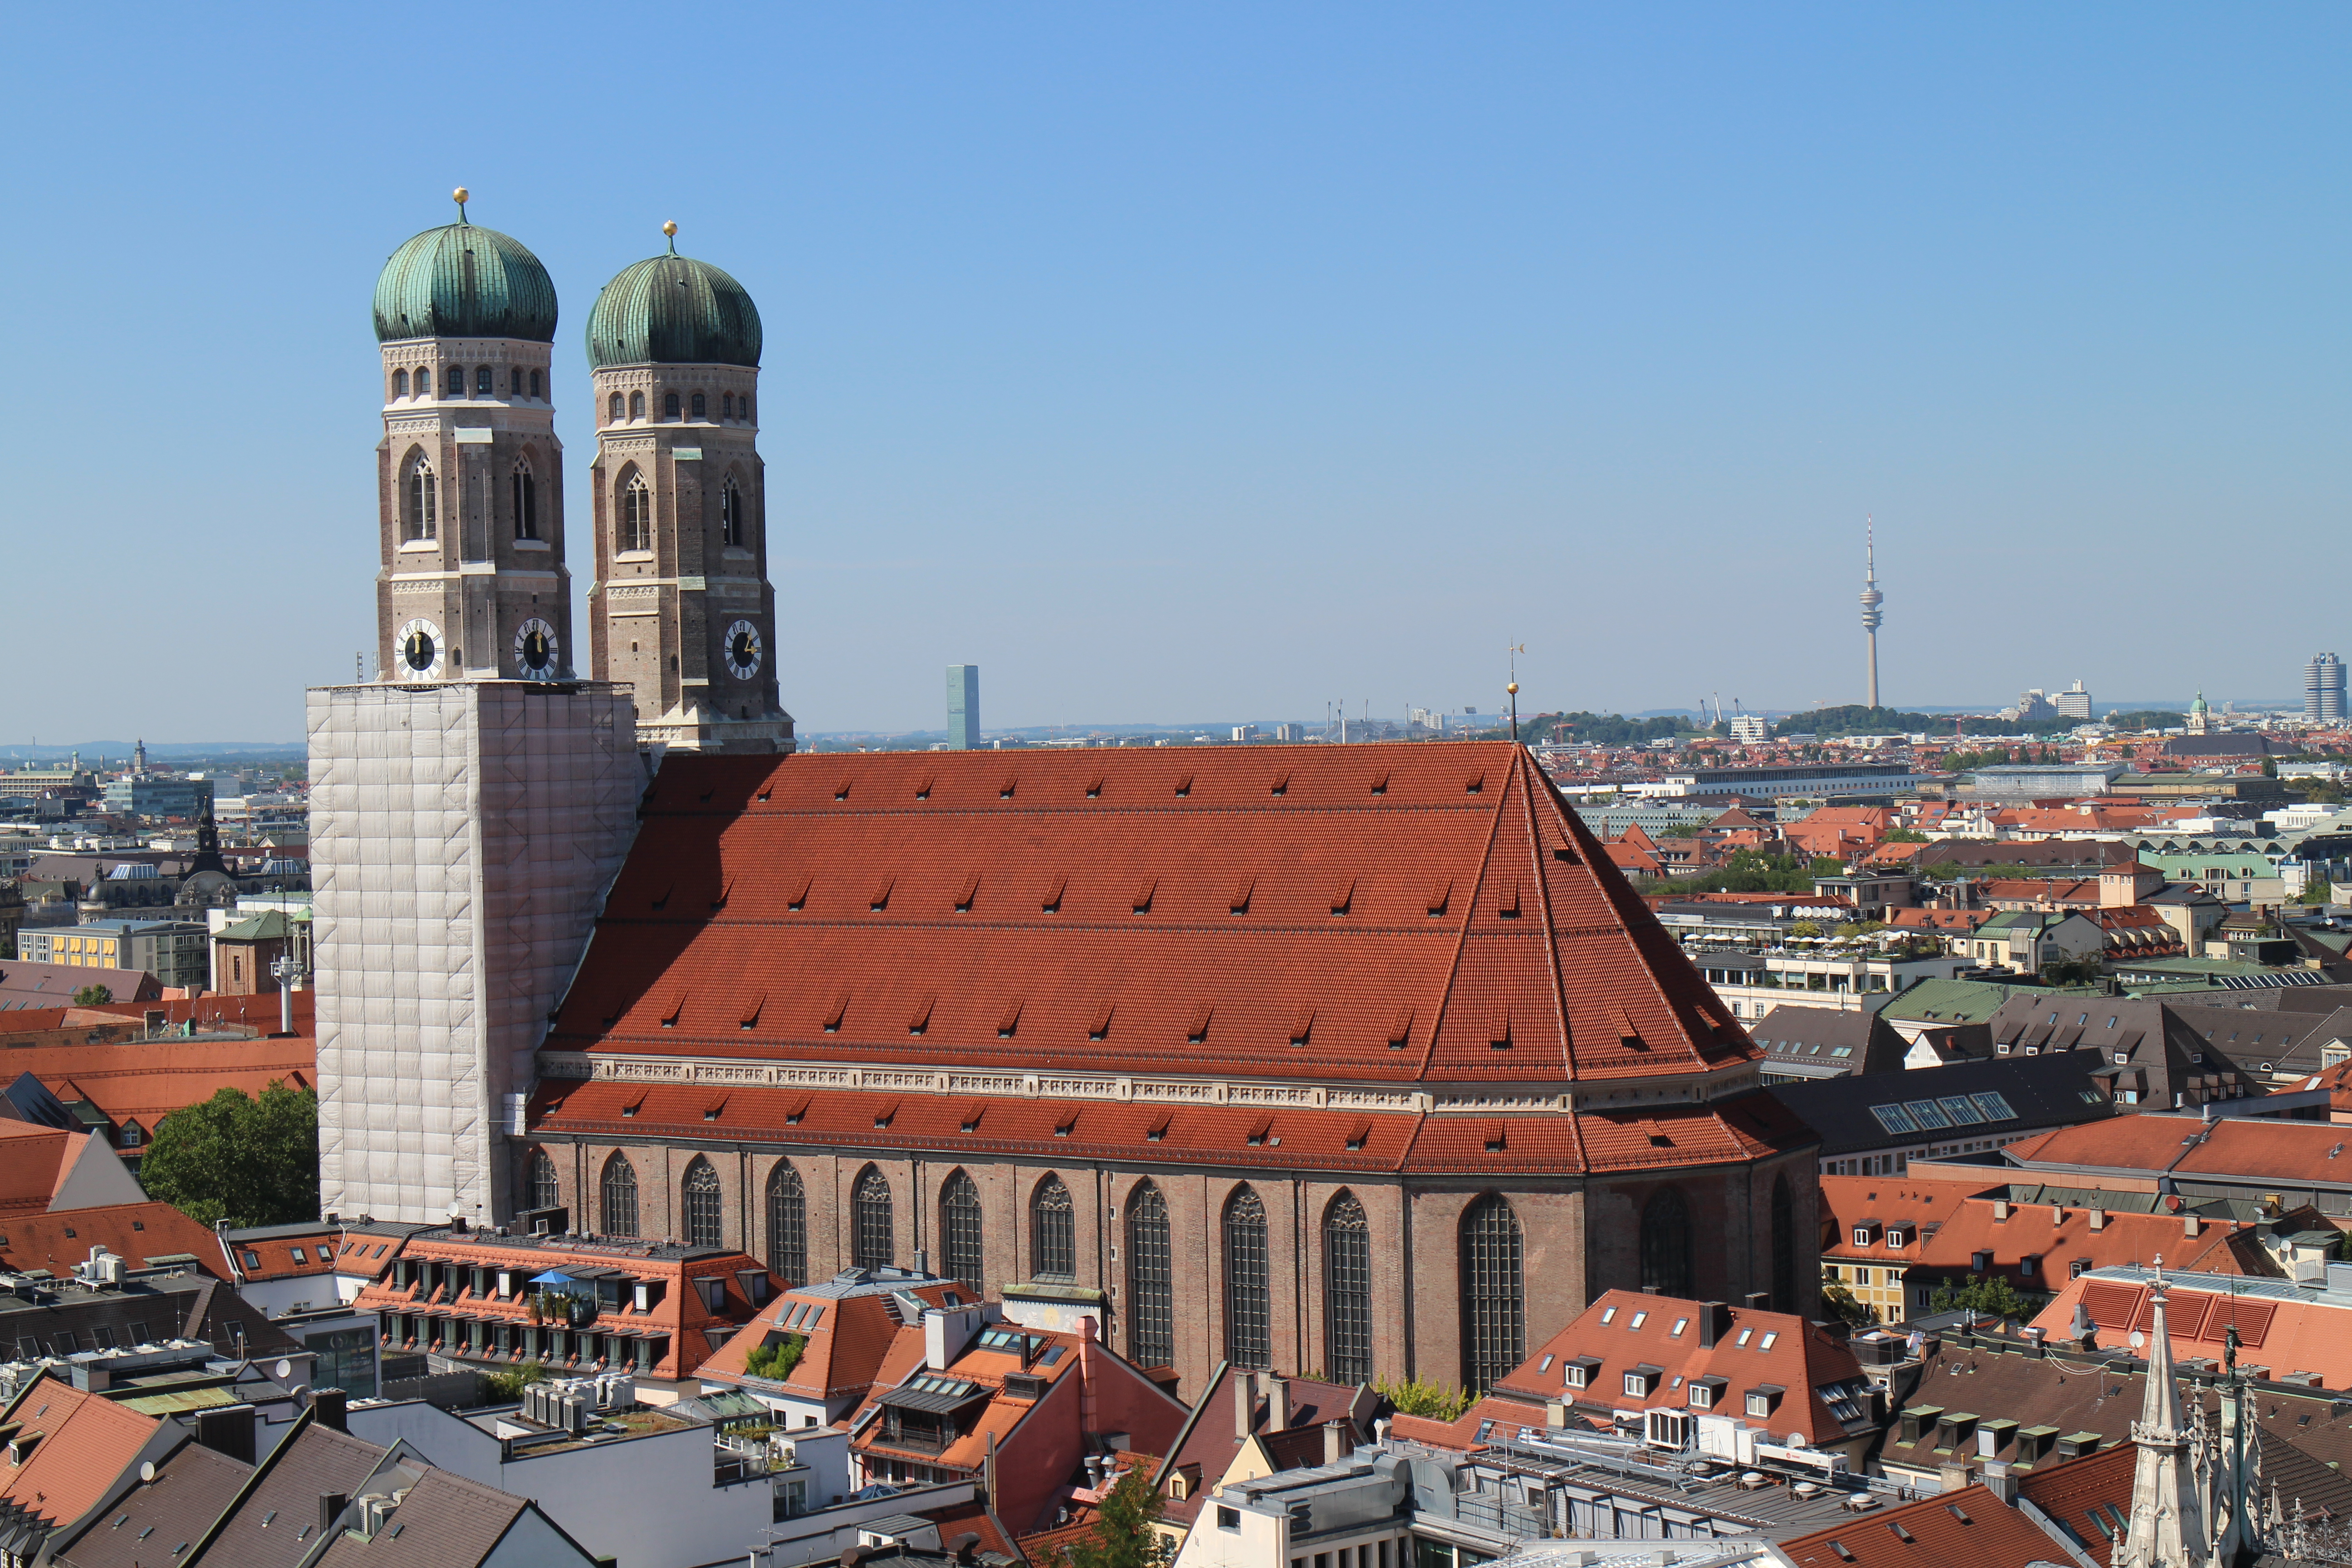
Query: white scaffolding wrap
[[462, 839]]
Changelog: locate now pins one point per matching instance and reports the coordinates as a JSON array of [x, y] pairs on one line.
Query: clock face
[[420, 651], [744, 650], [534, 650]]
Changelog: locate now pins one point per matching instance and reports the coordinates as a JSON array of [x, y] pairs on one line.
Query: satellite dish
[[147, 1471], [2139, 1339], [283, 1370]]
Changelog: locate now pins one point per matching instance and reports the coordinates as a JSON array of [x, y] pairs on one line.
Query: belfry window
[[1247, 1339], [1348, 1291], [730, 515], [704, 1223], [613, 417], [727, 406], [1150, 1315], [669, 405], [424, 381], [455, 382], [485, 382], [421, 521], [1494, 1316], [534, 385], [960, 1230], [787, 1223], [400, 383], [701, 407], [747, 405], [634, 530], [1053, 1232], [526, 502], [620, 1197], [873, 1244], [637, 405]]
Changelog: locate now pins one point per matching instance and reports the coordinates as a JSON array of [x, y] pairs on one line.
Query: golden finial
[[670, 227], [1513, 688], [460, 196]]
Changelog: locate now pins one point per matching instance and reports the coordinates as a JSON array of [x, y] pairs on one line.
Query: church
[[1358, 1061]]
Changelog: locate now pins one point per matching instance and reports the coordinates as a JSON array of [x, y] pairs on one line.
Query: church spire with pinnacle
[[2167, 1527]]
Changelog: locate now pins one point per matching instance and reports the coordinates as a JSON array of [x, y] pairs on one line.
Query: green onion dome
[[673, 309], [464, 281]]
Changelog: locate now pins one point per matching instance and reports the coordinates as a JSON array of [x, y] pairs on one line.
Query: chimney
[[1714, 1322], [966, 1547], [1245, 1403], [2098, 1219], [227, 1431], [1277, 1404], [1339, 1442], [331, 1511], [327, 1408], [2190, 1225], [2000, 1482], [2001, 1209], [1757, 1300]]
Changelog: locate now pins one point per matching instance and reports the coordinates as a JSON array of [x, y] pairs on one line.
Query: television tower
[[1871, 599]]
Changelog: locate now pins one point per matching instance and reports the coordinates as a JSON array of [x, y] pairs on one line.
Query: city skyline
[[1396, 357]]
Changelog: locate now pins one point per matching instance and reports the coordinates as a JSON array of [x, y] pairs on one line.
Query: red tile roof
[[1971, 1526], [1947, 1226], [2285, 1335], [86, 1442], [844, 1346], [135, 1231], [2263, 1150]]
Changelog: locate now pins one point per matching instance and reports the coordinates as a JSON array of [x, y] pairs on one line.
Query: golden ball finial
[[461, 196], [670, 229], [1513, 688]]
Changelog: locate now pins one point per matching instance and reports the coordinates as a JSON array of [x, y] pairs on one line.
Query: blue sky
[[1215, 362]]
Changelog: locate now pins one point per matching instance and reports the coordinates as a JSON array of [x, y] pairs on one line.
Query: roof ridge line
[[1551, 950], [1461, 938]]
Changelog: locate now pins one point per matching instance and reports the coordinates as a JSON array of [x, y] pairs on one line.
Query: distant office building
[[2033, 704], [1749, 729], [2323, 690], [149, 797], [175, 951], [2075, 703], [1244, 731], [963, 707], [1290, 731]]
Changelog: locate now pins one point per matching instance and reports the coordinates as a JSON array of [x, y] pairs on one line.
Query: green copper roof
[[464, 281], [673, 309]]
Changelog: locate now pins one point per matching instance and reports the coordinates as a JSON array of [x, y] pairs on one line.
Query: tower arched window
[[485, 382], [421, 516], [727, 406], [400, 383], [637, 405], [546, 1188], [455, 381], [1348, 1291], [669, 405], [746, 406], [424, 381], [702, 406], [730, 515], [1666, 1243], [704, 1222], [1494, 1287], [1150, 1304], [787, 1223], [871, 1243], [1248, 1338], [535, 386], [959, 1231], [514, 381], [614, 416], [619, 1197], [1053, 1232], [1784, 1245], [526, 502], [633, 527]]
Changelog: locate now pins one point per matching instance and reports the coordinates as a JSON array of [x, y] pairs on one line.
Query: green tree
[[1842, 1303], [235, 1158], [2314, 891], [1991, 1297], [1437, 1400], [1123, 1536], [506, 1387], [92, 996], [1805, 928], [1904, 835]]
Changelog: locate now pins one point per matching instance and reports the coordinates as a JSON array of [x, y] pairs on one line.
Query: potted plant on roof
[[533, 1307]]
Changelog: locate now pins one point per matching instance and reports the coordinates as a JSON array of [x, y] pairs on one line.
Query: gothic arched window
[[1784, 1245], [546, 1188], [704, 1223], [1053, 1232], [526, 502], [959, 1231], [454, 382], [1494, 1318], [1248, 1341], [1666, 1243], [421, 520], [1348, 1291], [730, 515], [669, 405], [1151, 1306], [637, 405], [620, 1197], [485, 382], [614, 417], [787, 1223], [635, 527], [701, 408], [871, 1243], [400, 383]]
